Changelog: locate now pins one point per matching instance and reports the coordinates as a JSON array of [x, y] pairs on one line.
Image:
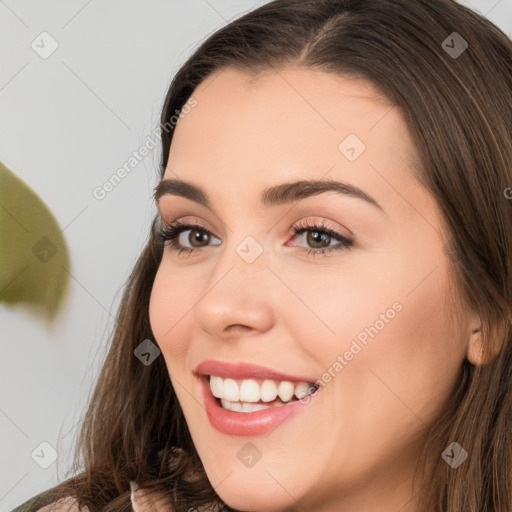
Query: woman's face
[[369, 321]]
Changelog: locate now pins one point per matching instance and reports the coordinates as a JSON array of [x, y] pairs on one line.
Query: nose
[[238, 298]]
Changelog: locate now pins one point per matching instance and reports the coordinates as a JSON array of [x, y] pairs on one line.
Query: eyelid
[[312, 220], [187, 219]]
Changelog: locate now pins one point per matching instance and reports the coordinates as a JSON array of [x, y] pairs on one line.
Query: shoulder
[[43, 502], [63, 505], [143, 501]]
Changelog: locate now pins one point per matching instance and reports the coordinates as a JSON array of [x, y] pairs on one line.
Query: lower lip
[[247, 423]]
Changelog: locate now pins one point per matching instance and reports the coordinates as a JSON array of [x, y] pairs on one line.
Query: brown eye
[[198, 238], [317, 239]]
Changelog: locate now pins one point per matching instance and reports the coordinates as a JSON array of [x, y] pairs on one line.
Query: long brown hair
[[458, 108]]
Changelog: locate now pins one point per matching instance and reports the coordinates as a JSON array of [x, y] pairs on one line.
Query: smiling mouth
[[251, 395]]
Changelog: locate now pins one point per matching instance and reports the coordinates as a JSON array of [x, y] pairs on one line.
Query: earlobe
[[475, 353]]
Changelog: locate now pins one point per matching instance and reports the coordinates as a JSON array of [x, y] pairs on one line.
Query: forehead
[[324, 101], [292, 123]]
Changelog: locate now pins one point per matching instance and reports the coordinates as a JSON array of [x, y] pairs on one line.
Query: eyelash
[[171, 232]]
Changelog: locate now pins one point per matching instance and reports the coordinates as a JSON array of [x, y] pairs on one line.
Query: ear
[[476, 343], [475, 352]]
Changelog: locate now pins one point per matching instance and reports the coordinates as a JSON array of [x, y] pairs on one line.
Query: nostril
[[237, 328]]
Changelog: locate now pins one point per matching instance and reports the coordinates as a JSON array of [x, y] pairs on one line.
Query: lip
[[247, 423], [242, 370]]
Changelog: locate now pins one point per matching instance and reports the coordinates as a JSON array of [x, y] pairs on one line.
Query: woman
[[321, 319]]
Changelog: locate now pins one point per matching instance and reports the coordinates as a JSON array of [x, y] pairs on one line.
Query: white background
[[67, 123]]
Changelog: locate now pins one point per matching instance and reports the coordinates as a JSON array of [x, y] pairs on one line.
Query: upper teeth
[[251, 390]]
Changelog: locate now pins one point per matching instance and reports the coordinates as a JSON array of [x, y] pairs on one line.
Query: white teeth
[[249, 390], [301, 389], [244, 406], [230, 391], [236, 406], [285, 390], [268, 391], [217, 385], [254, 407], [225, 404]]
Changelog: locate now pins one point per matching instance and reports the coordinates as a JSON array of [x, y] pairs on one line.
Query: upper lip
[[241, 370]]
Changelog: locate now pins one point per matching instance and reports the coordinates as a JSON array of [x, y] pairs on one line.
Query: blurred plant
[[34, 258]]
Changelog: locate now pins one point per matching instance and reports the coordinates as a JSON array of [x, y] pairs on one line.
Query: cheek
[[395, 338], [341, 306], [171, 298], [411, 356]]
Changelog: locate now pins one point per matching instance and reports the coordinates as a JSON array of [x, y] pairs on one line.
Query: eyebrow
[[273, 196]]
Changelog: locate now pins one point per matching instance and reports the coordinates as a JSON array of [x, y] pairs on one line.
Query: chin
[[247, 500], [254, 490]]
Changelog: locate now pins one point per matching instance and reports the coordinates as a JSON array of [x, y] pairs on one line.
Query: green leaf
[[34, 258]]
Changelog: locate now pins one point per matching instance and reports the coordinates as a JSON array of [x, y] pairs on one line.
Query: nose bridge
[[244, 259], [238, 291], [246, 243]]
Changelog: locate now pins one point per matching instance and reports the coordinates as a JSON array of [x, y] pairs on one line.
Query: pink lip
[[246, 423], [244, 371]]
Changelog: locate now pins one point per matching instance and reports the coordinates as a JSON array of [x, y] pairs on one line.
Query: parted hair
[[458, 109]]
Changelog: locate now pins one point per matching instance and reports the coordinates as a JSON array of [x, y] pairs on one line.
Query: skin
[[355, 445]]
